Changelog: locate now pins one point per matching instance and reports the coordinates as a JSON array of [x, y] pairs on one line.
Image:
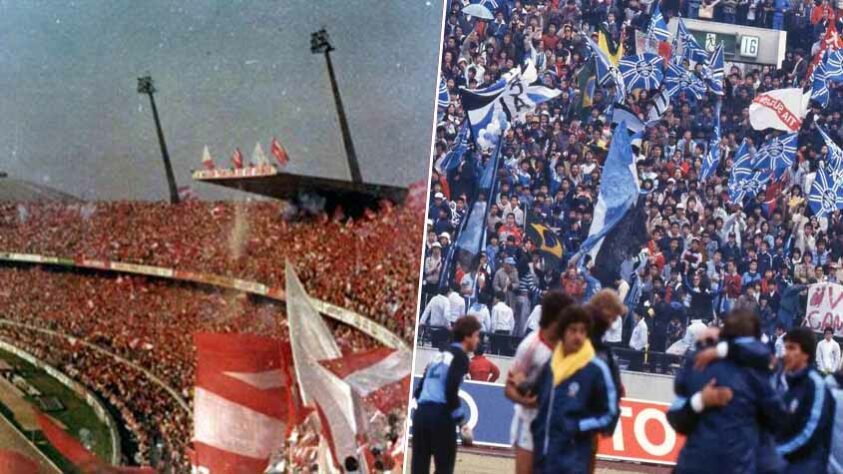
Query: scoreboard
[[742, 44]]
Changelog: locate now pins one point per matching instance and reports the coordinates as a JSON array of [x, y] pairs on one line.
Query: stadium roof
[[268, 180], [24, 191]]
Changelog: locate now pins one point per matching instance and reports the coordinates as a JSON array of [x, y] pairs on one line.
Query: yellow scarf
[[564, 366]]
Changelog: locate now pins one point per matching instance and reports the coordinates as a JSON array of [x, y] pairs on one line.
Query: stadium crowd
[[146, 321], [704, 255], [363, 265]]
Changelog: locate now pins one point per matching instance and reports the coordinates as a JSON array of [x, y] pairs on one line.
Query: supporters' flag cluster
[[491, 109], [240, 403], [237, 158], [686, 47], [777, 155], [279, 152], [618, 191], [744, 180], [711, 160], [679, 80], [641, 71], [607, 72], [207, 161], [658, 27], [715, 71], [780, 109]]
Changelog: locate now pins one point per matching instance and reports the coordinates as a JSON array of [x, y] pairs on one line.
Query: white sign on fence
[[825, 307]]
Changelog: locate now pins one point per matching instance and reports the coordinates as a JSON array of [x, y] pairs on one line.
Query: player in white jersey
[[533, 353]]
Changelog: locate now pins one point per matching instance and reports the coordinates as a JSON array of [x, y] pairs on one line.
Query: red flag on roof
[[241, 401], [279, 152], [237, 158], [13, 462]]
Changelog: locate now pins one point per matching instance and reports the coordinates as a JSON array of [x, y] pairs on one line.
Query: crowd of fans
[[705, 255], [364, 265]]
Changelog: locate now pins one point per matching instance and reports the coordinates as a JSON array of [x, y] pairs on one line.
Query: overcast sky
[[228, 73]]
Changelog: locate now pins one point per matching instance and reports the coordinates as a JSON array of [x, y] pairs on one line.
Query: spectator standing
[[828, 353], [482, 369]]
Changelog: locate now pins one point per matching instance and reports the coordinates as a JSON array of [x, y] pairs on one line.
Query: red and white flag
[[279, 152], [780, 109], [241, 402], [207, 161], [237, 158], [380, 376], [13, 462]]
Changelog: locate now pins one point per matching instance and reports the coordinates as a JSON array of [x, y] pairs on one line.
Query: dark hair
[[741, 323], [479, 350], [500, 296], [828, 329], [805, 339], [464, 327], [553, 303], [572, 315]]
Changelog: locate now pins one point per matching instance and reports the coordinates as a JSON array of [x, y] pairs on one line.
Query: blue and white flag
[[715, 71], [777, 155], [490, 110], [685, 46], [619, 190], [471, 237], [661, 101], [748, 185], [712, 156], [658, 27], [679, 80], [607, 72], [819, 85], [443, 99], [835, 155], [641, 71], [833, 63], [621, 114], [826, 194], [454, 158]]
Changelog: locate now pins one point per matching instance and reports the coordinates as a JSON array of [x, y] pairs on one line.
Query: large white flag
[[781, 109]]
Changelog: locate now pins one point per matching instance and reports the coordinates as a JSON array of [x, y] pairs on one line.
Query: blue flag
[[748, 185], [826, 194], [689, 48], [712, 157], [658, 27], [641, 71], [471, 238], [819, 85], [715, 71], [679, 80], [607, 72], [618, 191], [834, 160], [443, 99], [455, 157], [833, 63], [778, 154]]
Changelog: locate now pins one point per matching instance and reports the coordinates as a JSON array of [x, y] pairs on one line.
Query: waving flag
[[741, 167], [471, 238], [715, 71], [830, 42], [443, 99], [819, 85], [258, 156], [241, 400], [685, 46], [546, 242], [279, 152], [612, 50], [491, 109], [618, 191], [679, 80], [660, 102], [658, 27], [207, 161], [826, 194], [380, 376], [780, 109], [747, 185], [608, 72], [641, 71], [833, 65], [835, 154], [712, 157], [237, 158], [454, 157], [777, 155]]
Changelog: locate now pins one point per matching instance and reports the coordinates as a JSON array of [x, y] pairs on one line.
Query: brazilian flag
[[586, 83], [546, 242]]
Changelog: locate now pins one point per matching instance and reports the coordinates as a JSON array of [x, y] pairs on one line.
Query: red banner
[[643, 434]]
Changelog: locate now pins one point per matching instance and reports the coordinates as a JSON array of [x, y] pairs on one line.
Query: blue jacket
[[805, 438], [441, 381], [731, 434], [569, 416]]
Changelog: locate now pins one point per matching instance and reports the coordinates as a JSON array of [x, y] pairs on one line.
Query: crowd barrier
[[90, 399], [642, 434], [364, 324]]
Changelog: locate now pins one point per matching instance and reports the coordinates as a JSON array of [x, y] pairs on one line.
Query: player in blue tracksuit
[[725, 422], [805, 438], [439, 412], [577, 398]]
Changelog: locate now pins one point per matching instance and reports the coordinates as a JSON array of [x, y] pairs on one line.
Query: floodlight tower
[[319, 43], [145, 86]]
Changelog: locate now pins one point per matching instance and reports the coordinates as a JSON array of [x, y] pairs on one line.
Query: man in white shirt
[[457, 307], [779, 344], [481, 312], [638, 342], [828, 353], [437, 316], [533, 353], [503, 319], [533, 320]]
